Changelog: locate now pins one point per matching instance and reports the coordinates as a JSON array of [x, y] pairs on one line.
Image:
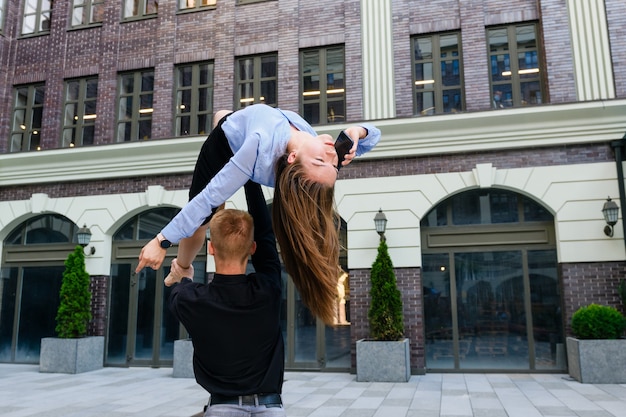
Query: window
[[2, 12], [323, 87], [256, 80], [27, 117], [249, 1], [437, 79], [195, 4], [194, 99], [134, 121], [140, 8], [86, 12], [79, 116], [515, 82], [36, 17]]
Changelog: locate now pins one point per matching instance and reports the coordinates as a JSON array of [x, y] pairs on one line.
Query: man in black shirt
[[234, 321]]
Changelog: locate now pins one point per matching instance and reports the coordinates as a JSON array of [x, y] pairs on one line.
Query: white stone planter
[[383, 361], [597, 361], [71, 356], [183, 359]]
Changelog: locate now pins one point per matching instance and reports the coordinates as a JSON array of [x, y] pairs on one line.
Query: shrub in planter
[[74, 310], [385, 356], [385, 313], [73, 351], [598, 322]]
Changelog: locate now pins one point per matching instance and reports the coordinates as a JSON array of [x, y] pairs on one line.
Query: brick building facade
[[557, 152]]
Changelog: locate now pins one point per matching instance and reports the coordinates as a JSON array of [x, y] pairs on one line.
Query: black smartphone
[[343, 144]]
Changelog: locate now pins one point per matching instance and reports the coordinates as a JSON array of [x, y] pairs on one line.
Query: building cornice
[[538, 126]]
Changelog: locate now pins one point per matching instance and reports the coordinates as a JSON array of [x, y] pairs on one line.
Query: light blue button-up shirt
[[258, 136]]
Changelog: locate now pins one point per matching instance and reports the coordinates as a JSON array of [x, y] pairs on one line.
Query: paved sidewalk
[[120, 392]]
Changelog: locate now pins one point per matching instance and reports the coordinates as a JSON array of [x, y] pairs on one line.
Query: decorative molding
[[528, 127]]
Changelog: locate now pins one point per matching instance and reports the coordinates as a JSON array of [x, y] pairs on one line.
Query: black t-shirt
[[234, 321]]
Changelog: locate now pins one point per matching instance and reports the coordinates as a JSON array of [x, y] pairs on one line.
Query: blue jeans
[[234, 410]]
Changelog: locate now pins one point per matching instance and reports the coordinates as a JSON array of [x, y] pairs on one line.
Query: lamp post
[[84, 237], [380, 221], [610, 210]]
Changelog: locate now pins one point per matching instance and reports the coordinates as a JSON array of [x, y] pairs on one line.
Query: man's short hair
[[232, 233]]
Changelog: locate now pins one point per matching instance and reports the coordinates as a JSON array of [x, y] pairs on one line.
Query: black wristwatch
[[163, 241]]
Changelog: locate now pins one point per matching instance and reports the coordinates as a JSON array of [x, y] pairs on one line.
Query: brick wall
[[410, 286], [99, 287], [586, 283], [223, 32]]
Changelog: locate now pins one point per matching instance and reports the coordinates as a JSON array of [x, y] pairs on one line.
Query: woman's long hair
[[306, 227]]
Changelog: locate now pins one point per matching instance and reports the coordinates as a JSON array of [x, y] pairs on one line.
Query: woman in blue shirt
[[279, 149]]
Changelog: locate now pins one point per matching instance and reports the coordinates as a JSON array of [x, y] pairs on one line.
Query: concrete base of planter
[[383, 361], [597, 361], [183, 359], [71, 356]]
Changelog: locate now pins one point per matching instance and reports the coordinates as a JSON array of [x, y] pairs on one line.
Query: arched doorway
[[32, 270], [491, 292], [141, 330]]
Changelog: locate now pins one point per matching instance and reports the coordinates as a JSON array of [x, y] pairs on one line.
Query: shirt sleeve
[[221, 187], [367, 144]]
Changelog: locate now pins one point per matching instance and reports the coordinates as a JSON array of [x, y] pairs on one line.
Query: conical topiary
[[385, 313], [74, 311]]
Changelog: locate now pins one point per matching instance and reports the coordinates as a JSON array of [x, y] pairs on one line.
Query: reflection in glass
[[439, 345], [118, 314], [39, 302]]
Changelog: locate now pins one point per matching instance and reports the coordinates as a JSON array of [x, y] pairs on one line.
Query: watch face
[[165, 243]]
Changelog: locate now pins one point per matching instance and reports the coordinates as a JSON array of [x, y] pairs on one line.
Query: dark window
[[27, 118], [86, 12], [515, 66], [135, 106], [437, 74], [195, 4], [257, 80], [79, 117], [140, 8], [323, 86], [194, 99], [36, 17]]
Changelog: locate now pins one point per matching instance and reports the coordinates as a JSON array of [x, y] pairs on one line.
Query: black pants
[[214, 154]]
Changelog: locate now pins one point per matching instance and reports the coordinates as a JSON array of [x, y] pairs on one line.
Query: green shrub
[[385, 313], [74, 310], [598, 322]]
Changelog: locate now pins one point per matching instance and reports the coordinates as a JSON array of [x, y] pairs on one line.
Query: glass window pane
[[88, 135], [423, 49], [425, 103], [439, 346], [530, 93], [268, 92], [312, 113], [268, 66], [452, 101], [489, 299], [118, 314], [424, 72], [503, 207], [246, 69], [546, 312], [38, 304]]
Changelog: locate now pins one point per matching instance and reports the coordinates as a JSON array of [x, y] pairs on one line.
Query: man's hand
[[177, 273], [151, 255]]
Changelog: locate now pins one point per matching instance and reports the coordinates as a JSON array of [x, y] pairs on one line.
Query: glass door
[[141, 328], [29, 298]]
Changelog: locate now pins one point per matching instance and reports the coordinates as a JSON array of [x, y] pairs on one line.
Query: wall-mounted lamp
[[610, 212], [84, 237], [380, 221]]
